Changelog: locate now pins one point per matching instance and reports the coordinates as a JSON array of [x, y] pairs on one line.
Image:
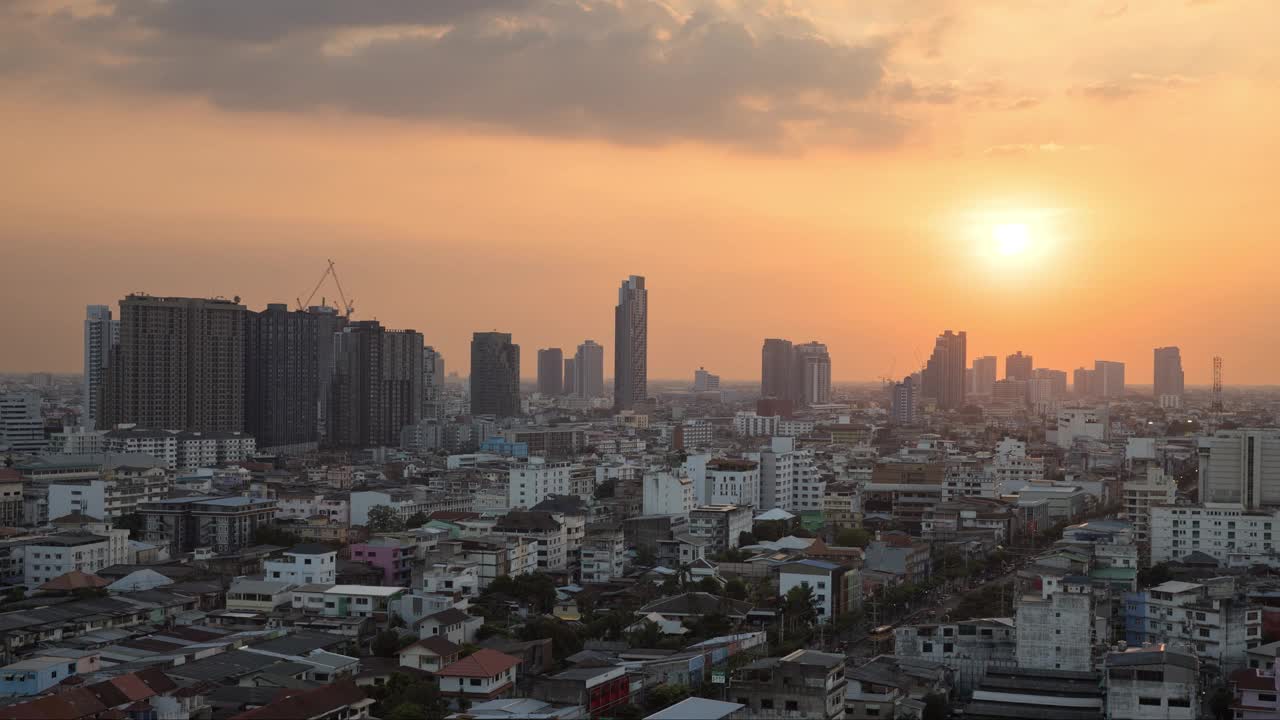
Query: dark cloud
[[629, 71]]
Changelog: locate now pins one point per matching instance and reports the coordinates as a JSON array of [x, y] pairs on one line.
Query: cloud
[[626, 71], [1048, 148], [1135, 84]]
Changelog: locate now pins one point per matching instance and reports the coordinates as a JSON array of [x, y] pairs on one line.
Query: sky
[[1078, 180]]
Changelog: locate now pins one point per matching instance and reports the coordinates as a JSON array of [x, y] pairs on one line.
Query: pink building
[[392, 557]]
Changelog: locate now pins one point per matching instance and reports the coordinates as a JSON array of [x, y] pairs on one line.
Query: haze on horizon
[[1079, 181]]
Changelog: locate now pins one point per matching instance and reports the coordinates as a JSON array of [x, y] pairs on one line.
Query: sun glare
[[1011, 238]]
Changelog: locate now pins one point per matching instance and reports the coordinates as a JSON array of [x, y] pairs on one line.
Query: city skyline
[[1139, 370], [1101, 153]]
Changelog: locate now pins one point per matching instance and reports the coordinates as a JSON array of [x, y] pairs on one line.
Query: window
[[475, 682], [1267, 697], [792, 705], [1149, 701], [766, 704], [1179, 702]]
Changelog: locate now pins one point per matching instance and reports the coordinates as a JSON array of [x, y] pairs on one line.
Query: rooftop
[[482, 663]]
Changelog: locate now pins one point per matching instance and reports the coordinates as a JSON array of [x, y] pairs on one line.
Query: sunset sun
[[1011, 238]]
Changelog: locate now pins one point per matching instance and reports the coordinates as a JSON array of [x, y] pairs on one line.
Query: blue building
[[497, 445], [1135, 618], [34, 675]]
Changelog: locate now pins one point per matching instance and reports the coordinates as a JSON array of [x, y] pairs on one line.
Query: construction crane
[[348, 306]]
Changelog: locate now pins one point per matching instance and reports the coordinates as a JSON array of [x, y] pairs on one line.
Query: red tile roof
[[75, 580], [482, 663], [1251, 679]]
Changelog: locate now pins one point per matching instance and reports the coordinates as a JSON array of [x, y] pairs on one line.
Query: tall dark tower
[[495, 375], [550, 371], [777, 380], [631, 344], [944, 374], [282, 382]]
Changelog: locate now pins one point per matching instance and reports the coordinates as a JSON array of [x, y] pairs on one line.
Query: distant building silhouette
[[282, 381], [1018, 366], [630, 344], [495, 375], [550, 371], [943, 376], [100, 336], [1169, 378], [588, 368]]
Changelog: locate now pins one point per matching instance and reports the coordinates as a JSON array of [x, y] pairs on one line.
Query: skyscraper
[[1169, 379], [377, 384], [328, 324], [944, 374], [570, 377], [178, 365], [984, 374], [432, 382], [1018, 367], [1241, 467], [1057, 381], [588, 365], [812, 366], [903, 402], [704, 381], [1082, 383], [100, 334], [495, 375], [631, 344], [776, 377], [21, 423], [1108, 379], [550, 371], [282, 380]]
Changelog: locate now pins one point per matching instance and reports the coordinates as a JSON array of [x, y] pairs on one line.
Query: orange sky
[[807, 169]]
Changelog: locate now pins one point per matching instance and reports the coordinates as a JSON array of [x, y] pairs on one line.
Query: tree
[[400, 689], [647, 635], [735, 589], [1155, 575], [383, 519], [800, 603], [746, 539], [1220, 703], [853, 537], [416, 520], [935, 707], [564, 641], [645, 557], [407, 711], [708, 585], [664, 696], [274, 535], [387, 643], [132, 522], [626, 712]]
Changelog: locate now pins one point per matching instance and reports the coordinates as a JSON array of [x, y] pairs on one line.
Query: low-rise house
[[968, 648], [893, 687], [601, 690], [694, 605], [337, 701], [303, 565], [702, 709], [1153, 683], [390, 555], [803, 684], [484, 675], [1037, 693], [460, 579], [342, 601], [452, 624], [35, 675], [258, 595], [430, 654]]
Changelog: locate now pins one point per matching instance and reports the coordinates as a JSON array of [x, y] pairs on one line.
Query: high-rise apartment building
[[704, 381], [377, 384], [944, 374], [495, 375], [1169, 379], [1057, 381], [570, 377], [100, 333], [812, 366], [1108, 379], [588, 365], [1082, 383], [282, 379], [432, 382], [630, 344], [776, 376], [903, 403], [1241, 467], [1018, 366], [21, 423], [179, 364], [550, 371], [984, 374], [328, 324]]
